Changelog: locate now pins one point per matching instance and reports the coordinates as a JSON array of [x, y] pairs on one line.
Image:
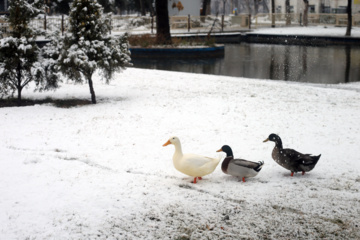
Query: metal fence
[[198, 23]]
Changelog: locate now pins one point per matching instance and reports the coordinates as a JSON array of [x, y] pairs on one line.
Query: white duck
[[191, 164]]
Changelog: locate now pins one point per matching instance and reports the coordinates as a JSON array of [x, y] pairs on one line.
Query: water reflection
[[335, 64]]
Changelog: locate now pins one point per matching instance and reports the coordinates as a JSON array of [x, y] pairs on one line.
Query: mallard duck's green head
[[226, 149]]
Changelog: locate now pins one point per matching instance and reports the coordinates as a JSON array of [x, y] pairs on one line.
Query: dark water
[[334, 64]]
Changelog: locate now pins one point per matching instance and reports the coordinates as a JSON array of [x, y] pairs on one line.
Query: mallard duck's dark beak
[[167, 143], [220, 150], [266, 140]]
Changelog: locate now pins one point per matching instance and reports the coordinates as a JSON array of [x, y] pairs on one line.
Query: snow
[[310, 31], [100, 171]]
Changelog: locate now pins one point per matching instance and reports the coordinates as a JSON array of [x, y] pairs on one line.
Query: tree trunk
[[204, 8], [162, 22], [152, 11], [19, 101], [92, 92], [265, 6], [256, 7], [142, 7], [349, 14], [247, 6], [272, 13], [306, 11], [287, 15], [18, 83]]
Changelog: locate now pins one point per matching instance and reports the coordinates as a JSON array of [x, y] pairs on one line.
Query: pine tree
[[89, 47], [19, 54]]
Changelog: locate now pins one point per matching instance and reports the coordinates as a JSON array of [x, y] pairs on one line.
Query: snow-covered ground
[[100, 171], [294, 30]]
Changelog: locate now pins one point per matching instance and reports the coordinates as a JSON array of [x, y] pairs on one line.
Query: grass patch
[[60, 103]]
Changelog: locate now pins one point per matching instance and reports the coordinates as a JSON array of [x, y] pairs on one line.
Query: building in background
[[4, 4], [184, 7], [296, 6]]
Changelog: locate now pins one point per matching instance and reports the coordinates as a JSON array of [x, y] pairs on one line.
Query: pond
[[330, 65]]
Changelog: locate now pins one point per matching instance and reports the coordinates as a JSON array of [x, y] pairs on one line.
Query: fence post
[[222, 22], [189, 23], [45, 21], [250, 21], [110, 23], [152, 23]]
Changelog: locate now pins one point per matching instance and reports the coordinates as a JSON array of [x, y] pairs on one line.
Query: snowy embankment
[[100, 171], [310, 31]]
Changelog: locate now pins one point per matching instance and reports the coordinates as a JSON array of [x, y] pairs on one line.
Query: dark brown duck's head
[[274, 138], [226, 149]]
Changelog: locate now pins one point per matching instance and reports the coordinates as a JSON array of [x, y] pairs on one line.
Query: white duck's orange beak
[[167, 143]]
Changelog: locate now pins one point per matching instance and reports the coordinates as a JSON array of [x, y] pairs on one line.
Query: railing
[[263, 20], [198, 23]]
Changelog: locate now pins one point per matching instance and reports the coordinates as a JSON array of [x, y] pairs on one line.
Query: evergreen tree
[[89, 47], [107, 5], [61, 6], [19, 54]]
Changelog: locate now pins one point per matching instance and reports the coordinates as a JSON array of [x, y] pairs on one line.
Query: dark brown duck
[[291, 159]]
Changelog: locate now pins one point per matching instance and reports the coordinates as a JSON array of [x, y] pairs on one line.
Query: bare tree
[[287, 15], [256, 7], [205, 7], [349, 24], [142, 7], [306, 10], [224, 1], [272, 13]]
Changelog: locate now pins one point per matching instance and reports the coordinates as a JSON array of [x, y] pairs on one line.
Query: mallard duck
[[291, 159], [191, 164], [238, 167]]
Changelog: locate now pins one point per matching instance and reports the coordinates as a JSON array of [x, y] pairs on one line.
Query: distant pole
[[62, 24], [45, 20], [189, 23], [152, 23], [272, 13], [224, 1], [110, 23], [250, 21], [222, 23]]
